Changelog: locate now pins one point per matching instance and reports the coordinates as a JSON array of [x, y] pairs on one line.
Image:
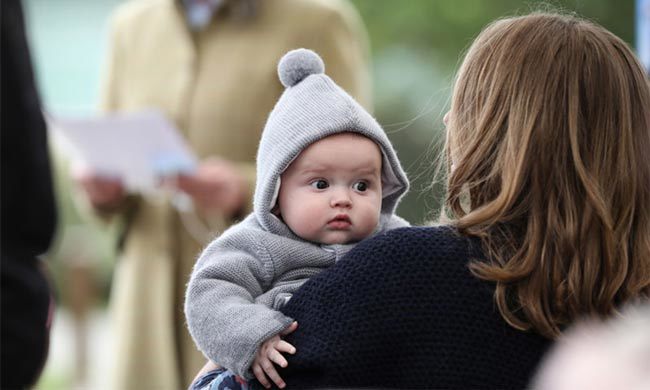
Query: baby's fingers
[[260, 375], [277, 358], [283, 346], [293, 326], [272, 373]]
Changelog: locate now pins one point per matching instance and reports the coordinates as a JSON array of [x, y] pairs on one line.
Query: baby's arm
[[223, 318]]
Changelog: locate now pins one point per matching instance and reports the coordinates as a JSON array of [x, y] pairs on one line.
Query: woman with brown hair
[[548, 205]]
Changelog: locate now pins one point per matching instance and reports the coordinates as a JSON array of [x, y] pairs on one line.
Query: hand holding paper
[[136, 148], [105, 193]]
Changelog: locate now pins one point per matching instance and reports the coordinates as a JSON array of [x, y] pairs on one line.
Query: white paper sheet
[[137, 147]]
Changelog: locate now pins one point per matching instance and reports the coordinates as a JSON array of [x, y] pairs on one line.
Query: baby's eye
[[320, 184], [360, 186]]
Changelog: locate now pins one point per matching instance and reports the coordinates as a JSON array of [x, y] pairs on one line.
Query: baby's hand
[[269, 353]]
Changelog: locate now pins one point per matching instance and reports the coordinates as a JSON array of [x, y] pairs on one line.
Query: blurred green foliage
[[442, 28]]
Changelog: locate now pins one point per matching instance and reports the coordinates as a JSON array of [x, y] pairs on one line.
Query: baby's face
[[331, 193]]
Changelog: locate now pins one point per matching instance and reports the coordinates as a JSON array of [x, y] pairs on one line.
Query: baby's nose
[[341, 198]]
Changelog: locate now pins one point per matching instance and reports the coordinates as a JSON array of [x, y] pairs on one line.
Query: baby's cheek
[[311, 220], [371, 220]]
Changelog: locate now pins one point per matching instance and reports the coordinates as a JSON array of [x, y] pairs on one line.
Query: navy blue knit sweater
[[403, 311]]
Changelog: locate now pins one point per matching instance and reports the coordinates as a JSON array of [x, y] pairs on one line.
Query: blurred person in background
[[209, 65], [28, 211]]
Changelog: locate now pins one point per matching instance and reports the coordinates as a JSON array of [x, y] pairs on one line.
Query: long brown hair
[[549, 147]]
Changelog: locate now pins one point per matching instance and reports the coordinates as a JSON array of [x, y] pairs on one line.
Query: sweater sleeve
[[223, 318]]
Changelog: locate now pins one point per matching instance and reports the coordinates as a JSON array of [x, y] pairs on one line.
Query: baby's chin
[[338, 240]]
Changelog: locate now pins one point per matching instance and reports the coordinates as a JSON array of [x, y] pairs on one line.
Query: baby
[[327, 178]]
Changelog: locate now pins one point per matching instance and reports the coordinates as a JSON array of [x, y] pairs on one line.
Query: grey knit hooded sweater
[[244, 276]]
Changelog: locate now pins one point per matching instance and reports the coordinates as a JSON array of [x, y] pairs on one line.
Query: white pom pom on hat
[[297, 64]]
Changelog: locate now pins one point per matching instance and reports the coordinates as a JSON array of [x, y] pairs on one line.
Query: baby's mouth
[[340, 222]]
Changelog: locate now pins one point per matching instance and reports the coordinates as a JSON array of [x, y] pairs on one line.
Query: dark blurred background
[[416, 47]]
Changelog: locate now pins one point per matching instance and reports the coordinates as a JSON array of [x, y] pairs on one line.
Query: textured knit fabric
[[240, 282], [243, 277], [402, 310], [312, 108], [218, 86]]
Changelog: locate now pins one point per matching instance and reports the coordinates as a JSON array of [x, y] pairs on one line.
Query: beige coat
[[218, 86]]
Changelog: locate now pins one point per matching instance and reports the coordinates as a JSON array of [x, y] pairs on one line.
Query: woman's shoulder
[[431, 235], [412, 288], [421, 242], [412, 255]]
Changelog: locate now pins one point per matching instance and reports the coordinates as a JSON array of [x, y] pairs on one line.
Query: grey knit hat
[[311, 108]]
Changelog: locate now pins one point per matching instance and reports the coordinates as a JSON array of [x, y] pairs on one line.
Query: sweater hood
[[311, 108]]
